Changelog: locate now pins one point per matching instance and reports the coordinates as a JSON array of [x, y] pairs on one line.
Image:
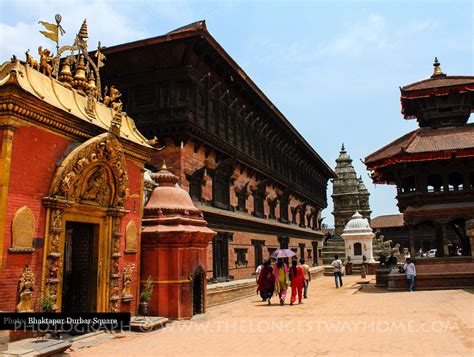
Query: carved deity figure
[[97, 188], [45, 61], [25, 290], [127, 281], [67, 182]]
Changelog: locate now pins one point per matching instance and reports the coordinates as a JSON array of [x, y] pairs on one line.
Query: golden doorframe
[[89, 186]]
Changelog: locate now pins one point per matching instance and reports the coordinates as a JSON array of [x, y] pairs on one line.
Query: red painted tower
[[174, 250]]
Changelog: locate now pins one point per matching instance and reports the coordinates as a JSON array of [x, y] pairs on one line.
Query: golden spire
[[83, 35], [437, 69], [163, 166]]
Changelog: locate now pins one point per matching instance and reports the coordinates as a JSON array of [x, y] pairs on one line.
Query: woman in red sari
[[266, 282], [297, 282]]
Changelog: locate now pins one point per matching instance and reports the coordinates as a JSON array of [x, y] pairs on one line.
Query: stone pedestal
[[381, 277]]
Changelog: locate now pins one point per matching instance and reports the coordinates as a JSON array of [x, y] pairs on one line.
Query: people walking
[[297, 282], [307, 277], [266, 282], [337, 264], [281, 280], [259, 269], [410, 270]]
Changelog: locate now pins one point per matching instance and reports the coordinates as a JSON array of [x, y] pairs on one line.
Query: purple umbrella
[[282, 253]]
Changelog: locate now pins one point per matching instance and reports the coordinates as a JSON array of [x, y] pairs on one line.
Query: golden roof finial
[[163, 166], [83, 31], [437, 68]]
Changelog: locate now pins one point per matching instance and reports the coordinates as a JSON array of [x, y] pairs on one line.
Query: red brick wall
[[35, 153], [134, 205]]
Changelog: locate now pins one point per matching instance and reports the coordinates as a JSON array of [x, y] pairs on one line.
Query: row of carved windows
[[221, 182], [454, 181]]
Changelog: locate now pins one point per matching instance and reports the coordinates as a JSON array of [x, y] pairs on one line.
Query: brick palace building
[[260, 185]]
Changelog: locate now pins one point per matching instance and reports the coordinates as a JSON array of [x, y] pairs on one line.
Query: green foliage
[[46, 304], [147, 291]]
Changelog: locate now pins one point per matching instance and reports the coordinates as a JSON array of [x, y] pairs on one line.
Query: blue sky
[[332, 67]]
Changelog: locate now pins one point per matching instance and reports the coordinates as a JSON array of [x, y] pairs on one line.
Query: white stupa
[[358, 237]]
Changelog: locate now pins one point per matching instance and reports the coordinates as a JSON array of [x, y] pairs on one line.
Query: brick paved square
[[330, 322]]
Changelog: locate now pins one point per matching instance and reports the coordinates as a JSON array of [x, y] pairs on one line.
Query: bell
[[66, 75], [81, 71]]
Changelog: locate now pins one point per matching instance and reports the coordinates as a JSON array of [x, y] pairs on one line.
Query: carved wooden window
[[220, 190], [165, 97], [301, 212], [23, 229], [284, 241], [184, 94], [258, 246], [221, 184], [284, 209], [302, 247], [242, 198], [258, 201], [196, 181], [220, 256], [241, 257]]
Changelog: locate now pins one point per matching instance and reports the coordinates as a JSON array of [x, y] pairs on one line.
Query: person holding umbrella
[[282, 280]]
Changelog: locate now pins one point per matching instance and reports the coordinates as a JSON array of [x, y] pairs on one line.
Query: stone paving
[[331, 321]]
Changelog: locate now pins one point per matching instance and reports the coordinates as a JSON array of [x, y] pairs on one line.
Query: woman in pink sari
[[281, 280]]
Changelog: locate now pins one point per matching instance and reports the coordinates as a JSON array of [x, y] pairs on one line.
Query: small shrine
[[358, 238], [174, 242]]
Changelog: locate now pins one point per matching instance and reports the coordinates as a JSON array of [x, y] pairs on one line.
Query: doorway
[[79, 292], [198, 291]]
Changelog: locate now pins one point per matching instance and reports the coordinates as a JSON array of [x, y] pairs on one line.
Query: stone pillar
[[470, 234], [6, 148]]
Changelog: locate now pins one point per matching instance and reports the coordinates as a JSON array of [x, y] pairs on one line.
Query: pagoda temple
[[433, 166]]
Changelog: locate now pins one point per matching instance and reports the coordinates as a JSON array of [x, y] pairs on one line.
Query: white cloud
[[110, 22]]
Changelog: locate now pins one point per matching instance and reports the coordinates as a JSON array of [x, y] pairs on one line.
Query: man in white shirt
[[337, 264], [258, 270], [307, 277], [410, 270]]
